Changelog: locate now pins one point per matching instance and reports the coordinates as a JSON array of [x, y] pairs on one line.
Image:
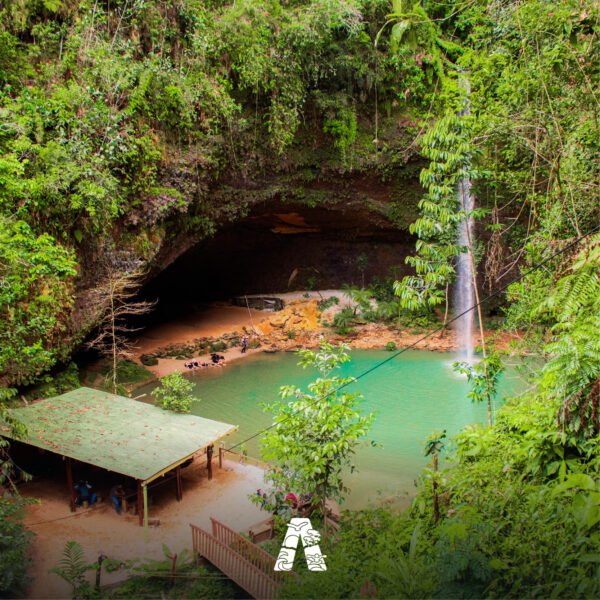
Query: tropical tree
[[483, 377], [175, 393], [572, 372], [315, 433]]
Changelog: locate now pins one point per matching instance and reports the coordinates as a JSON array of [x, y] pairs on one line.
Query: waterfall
[[465, 294]]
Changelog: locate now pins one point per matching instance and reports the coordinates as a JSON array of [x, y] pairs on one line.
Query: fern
[[72, 567]]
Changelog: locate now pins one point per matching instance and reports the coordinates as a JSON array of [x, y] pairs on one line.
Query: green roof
[[116, 433]]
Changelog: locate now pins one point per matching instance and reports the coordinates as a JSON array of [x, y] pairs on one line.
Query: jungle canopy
[[116, 433]]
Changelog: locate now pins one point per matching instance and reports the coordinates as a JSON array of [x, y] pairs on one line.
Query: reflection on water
[[413, 395]]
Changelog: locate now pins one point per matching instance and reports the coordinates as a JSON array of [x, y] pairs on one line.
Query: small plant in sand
[[175, 393]]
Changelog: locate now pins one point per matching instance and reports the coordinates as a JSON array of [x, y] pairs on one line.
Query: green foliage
[[323, 305], [58, 383], [254, 343], [14, 542], [218, 346], [127, 372], [315, 433], [391, 347], [192, 582], [36, 293], [73, 567], [448, 148], [148, 361], [483, 377], [343, 321], [175, 393], [375, 553]]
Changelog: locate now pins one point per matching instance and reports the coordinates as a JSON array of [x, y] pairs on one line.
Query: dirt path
[[100, 530]]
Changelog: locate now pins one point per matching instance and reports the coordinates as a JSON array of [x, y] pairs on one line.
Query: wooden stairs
[[242, 561]]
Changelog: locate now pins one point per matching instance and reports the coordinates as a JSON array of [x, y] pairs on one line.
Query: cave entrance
[[280, 248]]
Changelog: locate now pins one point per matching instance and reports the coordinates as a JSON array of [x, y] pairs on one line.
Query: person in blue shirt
[[117, 494], [85, 493]]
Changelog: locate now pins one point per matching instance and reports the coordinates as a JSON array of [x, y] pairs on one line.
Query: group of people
[[300, 505], [216, 360], [85, 494]]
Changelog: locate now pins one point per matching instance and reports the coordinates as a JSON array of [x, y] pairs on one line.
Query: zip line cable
[[410, 346]]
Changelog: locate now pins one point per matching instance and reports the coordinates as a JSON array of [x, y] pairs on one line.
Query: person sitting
[[85, 493], [195, 363], [117, 493], [292, 499], [305, 505], [263, 498], [188, 365], [216, 358]]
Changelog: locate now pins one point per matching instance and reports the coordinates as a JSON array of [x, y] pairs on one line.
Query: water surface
[[413, 395]]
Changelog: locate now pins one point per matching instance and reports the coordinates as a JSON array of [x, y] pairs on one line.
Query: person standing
[[244, 344], [116, 496]]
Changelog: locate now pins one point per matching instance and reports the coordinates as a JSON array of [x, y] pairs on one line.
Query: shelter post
[[221, 452], [209, 453], [70, 484], [140, 503], [179, 492], [145, 490]]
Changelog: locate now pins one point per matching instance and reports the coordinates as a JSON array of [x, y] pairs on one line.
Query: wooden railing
[[251, 552], [241, 458], [243, 562]]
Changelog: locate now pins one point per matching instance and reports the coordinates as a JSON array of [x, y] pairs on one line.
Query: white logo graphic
[[301, 529]]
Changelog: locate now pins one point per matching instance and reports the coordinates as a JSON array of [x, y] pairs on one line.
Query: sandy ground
[[219, 319], [214, 320], [100, 530]]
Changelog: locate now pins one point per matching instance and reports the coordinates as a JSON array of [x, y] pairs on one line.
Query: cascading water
[[465, 296], [465, 293]]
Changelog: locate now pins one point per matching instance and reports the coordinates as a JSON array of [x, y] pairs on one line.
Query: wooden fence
[[242, 561]]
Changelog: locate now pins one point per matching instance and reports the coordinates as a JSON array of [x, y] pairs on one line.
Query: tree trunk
[[445, 312], [114, 342], [436, 504]]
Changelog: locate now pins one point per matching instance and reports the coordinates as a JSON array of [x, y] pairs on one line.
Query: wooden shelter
[[125, 436]]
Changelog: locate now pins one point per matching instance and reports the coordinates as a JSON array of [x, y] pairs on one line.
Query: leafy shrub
[[73, 567], [343, 320], [175, 393], [218, 346], [130, 372], [291, 334], [59, 383], [14, 540], [391, 346], [254, 343], [326, 303], [148, 360]]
